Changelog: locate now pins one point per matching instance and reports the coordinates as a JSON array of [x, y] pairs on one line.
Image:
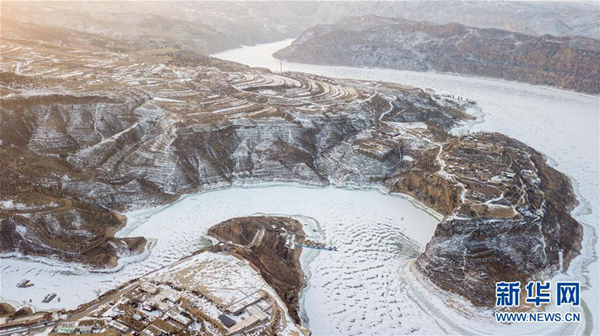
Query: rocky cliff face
[[564, 62], [508, 217], [86, 133]]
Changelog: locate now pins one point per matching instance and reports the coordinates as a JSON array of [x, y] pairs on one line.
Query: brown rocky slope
[[259, 240]]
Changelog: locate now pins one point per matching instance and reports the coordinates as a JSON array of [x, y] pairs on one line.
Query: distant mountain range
[[212, 26], [569, 62]]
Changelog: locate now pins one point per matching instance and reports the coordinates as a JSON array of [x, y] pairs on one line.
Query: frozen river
[[365, 287], [562, 125], [376, 235]]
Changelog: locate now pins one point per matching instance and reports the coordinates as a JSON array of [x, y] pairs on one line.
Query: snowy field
[[562, 125]]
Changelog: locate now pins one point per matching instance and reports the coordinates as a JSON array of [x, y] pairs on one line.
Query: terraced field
[[122, 127]]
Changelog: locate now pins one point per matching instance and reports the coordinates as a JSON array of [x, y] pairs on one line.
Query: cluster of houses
[[258, 310], [157, 309]]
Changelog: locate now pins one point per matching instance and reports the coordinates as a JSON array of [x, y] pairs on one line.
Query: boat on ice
[[24, 283], [49, 298]]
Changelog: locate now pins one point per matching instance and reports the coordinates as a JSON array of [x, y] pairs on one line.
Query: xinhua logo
[[538, 293]]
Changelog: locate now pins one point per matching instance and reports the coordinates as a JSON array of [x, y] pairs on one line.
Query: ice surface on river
[[562, 125], [369, 228]]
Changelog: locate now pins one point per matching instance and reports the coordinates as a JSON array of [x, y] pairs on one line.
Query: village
[[157, 309], [215, 291], [207, 293]]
